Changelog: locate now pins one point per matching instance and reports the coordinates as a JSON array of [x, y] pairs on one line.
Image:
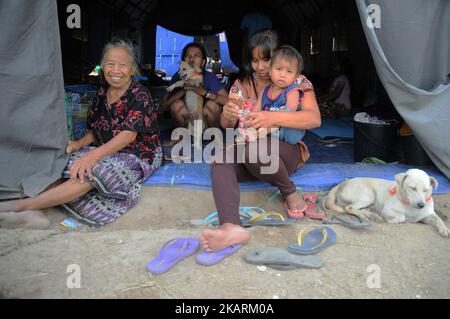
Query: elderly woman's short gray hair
[[128, 46]]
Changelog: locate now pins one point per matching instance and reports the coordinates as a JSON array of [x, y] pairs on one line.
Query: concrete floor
[[412, 260]]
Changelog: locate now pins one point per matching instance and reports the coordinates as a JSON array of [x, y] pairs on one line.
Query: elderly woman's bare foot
[[9, 206], [227, 235], [295, 203], [31, 219]]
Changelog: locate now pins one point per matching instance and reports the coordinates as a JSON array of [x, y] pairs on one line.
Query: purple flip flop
[[209, 259], [173, 252]]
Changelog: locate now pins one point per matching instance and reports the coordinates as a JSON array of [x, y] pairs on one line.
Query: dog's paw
[[370, 216], [364, 217], [444, 231], [398, 219], [376, 218]]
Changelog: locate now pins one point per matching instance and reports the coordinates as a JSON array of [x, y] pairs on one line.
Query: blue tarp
[[170, 44], [168, 49], [334, 128], [310, 178]]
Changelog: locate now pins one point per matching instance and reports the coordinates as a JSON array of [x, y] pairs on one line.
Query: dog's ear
[[434, 182], [400, 178]]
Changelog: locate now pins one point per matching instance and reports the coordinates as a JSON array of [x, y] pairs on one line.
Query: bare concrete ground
[[414, 261]]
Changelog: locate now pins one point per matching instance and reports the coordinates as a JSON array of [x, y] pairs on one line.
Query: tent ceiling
[[138, 10], [293, 11]]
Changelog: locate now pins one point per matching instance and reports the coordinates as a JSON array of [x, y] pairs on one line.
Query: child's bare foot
[[227, 235], [32, 219], [295, 203]]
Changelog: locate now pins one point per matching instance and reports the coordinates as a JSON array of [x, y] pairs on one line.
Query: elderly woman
[[108, 165], [212, 90]]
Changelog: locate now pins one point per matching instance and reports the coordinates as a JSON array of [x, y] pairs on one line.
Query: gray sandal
[[281, 259], [347, 220]]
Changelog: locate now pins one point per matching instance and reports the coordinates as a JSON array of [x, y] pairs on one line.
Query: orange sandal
[[290, 212], [312, 210]]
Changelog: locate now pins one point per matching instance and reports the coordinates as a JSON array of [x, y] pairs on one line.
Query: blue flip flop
[[209, 259], [312, 241], [171, 253]]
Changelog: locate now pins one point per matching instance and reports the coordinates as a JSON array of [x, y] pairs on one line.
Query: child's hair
[[288, 53]]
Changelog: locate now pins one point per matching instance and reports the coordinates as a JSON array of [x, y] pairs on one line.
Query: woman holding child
[[108, 165], [265, 81]]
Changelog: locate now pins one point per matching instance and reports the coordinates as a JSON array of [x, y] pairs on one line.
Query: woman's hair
[[194, 45], [128, 46], [290, 54], [267, 41]]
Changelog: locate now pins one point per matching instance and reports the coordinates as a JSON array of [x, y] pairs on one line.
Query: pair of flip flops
[[177, 249], [298, 255], [311, 210], [249, 216]]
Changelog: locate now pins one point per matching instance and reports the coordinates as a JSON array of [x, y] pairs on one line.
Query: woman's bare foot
[[227, 235], [295, 203], [31, 219]]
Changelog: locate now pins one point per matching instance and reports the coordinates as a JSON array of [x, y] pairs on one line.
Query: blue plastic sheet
[[310, 178], [334, 128]]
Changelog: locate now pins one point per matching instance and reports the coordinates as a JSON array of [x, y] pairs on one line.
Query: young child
[[284, 93]]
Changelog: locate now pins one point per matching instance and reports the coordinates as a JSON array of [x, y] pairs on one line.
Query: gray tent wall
[[33, 132], [411, 51]]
